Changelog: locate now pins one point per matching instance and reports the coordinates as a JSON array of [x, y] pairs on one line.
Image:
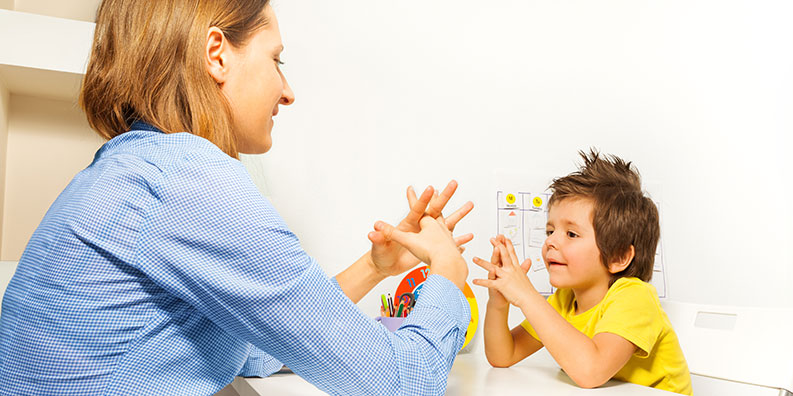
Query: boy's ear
[[623, 262]]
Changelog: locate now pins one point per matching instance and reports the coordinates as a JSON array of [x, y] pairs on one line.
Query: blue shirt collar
[[143, 126]]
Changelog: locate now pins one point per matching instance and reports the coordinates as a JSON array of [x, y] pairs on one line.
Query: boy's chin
[[559, 282]]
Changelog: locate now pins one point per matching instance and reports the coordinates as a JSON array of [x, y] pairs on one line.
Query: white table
[[471, 375]]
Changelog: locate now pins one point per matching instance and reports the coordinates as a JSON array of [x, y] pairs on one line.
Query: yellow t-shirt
[[632, 311]]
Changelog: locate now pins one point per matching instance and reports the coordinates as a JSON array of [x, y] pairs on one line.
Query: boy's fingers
[[485, 283], [526, 265], [512, 254], [495, 258], [506, 259], [487, 266]]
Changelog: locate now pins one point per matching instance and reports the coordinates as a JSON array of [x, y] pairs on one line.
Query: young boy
[[605, 320]]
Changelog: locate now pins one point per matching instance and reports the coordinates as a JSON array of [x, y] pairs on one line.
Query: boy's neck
[[587, 298]]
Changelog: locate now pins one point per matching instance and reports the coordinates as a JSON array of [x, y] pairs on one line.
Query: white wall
[[35, 144], [4, 101], [697, 93], [83, 10]]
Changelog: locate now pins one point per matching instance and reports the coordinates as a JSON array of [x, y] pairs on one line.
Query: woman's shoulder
[[163, 150]]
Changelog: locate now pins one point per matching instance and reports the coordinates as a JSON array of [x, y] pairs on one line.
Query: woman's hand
[[389, 257], [433, 244], [509, 278]]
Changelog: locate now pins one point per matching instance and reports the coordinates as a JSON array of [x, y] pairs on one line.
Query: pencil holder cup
[[390, 323]]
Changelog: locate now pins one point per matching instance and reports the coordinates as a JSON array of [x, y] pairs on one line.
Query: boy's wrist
[[528, 298]]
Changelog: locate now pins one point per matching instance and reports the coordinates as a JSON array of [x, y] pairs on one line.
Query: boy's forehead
[[572, 210]]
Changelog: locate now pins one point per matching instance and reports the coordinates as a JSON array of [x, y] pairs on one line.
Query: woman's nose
[[287, 96]]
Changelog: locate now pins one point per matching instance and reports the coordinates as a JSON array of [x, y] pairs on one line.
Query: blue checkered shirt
[[161, 270]]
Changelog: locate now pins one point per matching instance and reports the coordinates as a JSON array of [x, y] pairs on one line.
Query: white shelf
[[43, 56], [44, 139]]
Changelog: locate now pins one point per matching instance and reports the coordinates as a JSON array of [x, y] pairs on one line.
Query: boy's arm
[[503, 347], [589, 362]]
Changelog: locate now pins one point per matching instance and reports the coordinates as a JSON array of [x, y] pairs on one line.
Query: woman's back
[[79, 313]]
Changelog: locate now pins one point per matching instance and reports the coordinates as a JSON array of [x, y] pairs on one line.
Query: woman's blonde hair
[[148, 63]]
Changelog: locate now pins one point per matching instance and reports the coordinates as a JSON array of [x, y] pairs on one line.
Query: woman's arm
[[220, 247], [387, 258]]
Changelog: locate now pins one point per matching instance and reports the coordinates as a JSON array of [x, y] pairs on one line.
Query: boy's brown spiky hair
[[622, 215]]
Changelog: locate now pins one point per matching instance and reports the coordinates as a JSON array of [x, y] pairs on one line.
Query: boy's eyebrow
[[564, 222]]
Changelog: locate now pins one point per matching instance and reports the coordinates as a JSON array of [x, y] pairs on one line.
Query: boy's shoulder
[[631, 284], [632, 294]]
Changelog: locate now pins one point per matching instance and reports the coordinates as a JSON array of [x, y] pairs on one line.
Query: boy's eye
[[548, 233], [571, 234]]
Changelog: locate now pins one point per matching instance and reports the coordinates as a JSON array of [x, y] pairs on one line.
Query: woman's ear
[[623, 262], [217, 54]]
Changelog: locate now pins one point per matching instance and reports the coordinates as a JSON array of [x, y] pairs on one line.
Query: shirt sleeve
[[632, 313], [213, 241], [259, 364]]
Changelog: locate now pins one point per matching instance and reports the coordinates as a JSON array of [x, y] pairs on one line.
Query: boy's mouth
[[552, 262]]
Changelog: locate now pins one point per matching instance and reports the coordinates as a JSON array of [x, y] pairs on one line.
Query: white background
[[698, 94]]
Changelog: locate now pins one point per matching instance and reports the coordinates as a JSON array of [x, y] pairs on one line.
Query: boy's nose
[[550, 242]]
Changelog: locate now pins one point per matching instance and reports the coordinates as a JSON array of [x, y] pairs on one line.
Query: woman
[[161, 270]]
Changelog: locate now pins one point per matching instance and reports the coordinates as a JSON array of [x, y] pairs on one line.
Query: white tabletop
[[471, 375]]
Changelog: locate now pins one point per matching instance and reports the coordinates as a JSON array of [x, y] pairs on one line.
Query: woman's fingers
[[463, 239], [391, 233], [376, 237], [411, 195], [458, 215], [418, 206], [439, 201]]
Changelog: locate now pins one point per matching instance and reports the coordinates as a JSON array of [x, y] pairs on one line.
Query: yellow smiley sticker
[[511, 199], [537, 201]]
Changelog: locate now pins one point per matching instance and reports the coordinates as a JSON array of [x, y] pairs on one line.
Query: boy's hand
[[509, 279], [434, 245], [495, 298], [389, 257]]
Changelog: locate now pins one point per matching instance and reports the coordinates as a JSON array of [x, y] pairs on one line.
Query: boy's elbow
[[589, 379], [496, 362]]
